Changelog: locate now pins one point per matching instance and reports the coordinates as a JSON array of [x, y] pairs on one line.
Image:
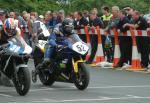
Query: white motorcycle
[[13, 64]]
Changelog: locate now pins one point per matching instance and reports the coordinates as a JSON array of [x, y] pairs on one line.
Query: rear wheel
[[81, 79], [23, 82]]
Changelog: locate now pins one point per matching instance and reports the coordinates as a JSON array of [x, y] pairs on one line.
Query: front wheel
[[46, 78], [81, 79], [22, 82]]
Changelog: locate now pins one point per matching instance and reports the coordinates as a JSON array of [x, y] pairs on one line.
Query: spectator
[[13, 15], [125, 42], [61, 16], [42, 18], [2, 15], [111, 25], [106, 16], [94, 10], [75, 14], [95, 20], [129, 12], [70, 16], [115, 18], [147, 17], [47, 18], [26, 27], [142, 42], [81, 21], [86, 15], [53, 20]]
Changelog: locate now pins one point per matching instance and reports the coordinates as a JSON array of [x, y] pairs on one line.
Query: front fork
[[16, 69], [75, 64]]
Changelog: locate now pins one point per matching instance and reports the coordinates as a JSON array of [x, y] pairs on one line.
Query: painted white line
[[44, 101], [109, 87], [34, 90], [106, 87], [12, 102], [5, 95], [103, 99], [87, 100]]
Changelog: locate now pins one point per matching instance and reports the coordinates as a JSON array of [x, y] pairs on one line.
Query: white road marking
[[41, 89], [5, 95], [87, 100], [106, 87], [109, 87]]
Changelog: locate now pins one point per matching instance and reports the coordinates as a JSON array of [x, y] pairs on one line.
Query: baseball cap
[[61, 11], [41, 16], [127, 8], [2, 11]]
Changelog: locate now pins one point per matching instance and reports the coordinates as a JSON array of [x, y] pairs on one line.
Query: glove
[[59, 46]]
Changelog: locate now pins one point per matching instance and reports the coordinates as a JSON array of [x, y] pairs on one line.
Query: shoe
[[125, 66], [45, 63]]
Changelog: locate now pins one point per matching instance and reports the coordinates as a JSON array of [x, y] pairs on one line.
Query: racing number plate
[[80, 48]]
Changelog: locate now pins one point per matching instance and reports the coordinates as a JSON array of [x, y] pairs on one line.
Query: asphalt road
[[106, 86]]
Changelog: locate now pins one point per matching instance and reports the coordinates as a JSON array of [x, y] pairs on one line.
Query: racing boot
[[46, 62], [35, 72]]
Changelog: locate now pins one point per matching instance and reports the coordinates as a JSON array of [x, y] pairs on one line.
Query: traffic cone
[[88, 42], [135, 64], [99, 56], [117, 49]]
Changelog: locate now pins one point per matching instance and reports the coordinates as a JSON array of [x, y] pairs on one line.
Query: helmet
[[9, 27], [67, 26]]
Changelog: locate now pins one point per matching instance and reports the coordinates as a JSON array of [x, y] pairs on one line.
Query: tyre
[[22, 84], [46, 78], [81, 79]]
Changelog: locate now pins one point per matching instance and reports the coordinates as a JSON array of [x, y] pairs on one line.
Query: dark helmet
[[67, 26]]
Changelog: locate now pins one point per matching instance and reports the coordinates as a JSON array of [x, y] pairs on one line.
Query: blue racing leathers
[[53, 41]]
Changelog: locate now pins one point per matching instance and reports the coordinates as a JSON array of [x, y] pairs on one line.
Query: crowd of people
[[124, 20]]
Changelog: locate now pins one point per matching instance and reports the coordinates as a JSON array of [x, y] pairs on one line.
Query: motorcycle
[[13, 64], [67, 65], [38, 52]]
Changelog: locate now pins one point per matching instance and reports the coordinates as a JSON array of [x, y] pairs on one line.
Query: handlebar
[[61, 47]]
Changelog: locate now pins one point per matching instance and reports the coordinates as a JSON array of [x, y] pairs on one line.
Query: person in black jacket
[[94, 21], [125, 42], [139, 23], [81, 21]]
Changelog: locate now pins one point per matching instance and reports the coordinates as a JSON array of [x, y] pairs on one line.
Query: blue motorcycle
[[67, 65]]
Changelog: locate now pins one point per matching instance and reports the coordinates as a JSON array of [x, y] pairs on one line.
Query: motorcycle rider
[[9, 31], [39, 31], [57, 39]]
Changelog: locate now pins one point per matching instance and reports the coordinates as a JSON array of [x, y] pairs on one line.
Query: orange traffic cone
[[99, 56], [88, 42], [148, 33], [135, 65], [117, 49]]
